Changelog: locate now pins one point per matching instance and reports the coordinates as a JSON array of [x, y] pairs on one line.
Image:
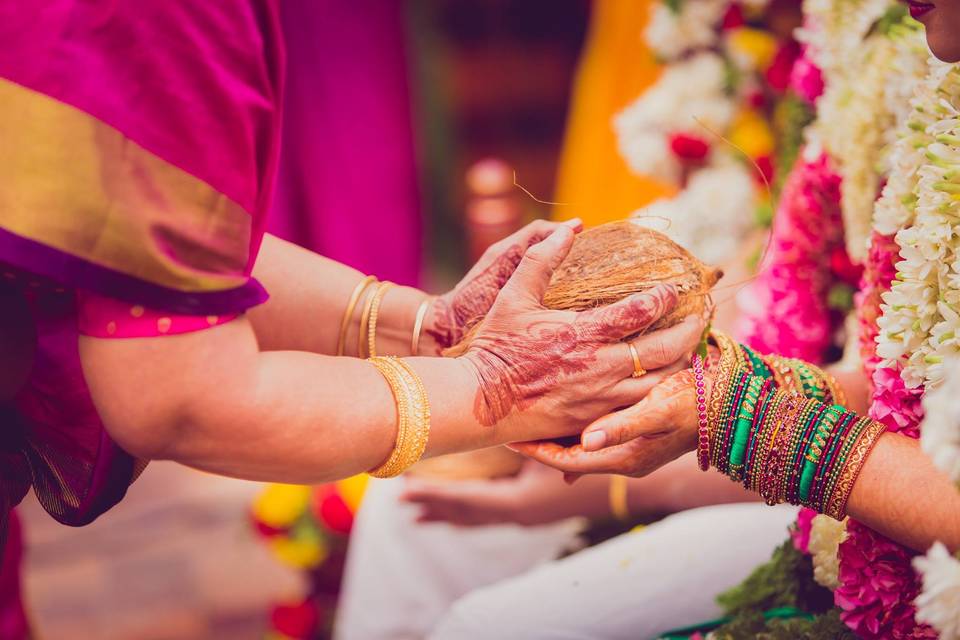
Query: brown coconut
[[609, 262]]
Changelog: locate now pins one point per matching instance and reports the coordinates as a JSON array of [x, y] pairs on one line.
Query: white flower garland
[[687, 92], [940, 436], [711, 216], [921, 313], [939, 603], [674, 30], [857, 116], [835, 29], [826, 535]]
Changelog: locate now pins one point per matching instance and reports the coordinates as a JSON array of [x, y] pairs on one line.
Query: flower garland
[[939, 604], [725, 73], [921, 313], [785, 309], [718, 192], [941, 429]]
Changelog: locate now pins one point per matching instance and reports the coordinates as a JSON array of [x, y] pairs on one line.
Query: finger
[[572, 460], [532, 275], [528, 235], [630, 391], [630, 315], [664, 347], [646, 418], [570, 478]]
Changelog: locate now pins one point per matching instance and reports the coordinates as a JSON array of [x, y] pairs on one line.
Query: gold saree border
[[74, 183]]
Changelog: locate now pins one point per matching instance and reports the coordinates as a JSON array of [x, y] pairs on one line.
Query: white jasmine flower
[[939, 603]]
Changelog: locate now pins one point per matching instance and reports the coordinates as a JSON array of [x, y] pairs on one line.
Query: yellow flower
[[754, 45], [351, 490], [301, 552], [752, 134], [280, 505]]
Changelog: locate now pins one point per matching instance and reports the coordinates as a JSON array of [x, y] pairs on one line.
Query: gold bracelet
[[413, 416], [348, 314], [364, 321], [618, 498], [418, 326], [374, 314]]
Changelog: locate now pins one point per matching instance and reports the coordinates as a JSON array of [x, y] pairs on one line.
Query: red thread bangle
[[703, 431]]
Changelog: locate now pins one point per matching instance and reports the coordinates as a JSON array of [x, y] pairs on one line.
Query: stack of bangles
[[372, 292], [778, 425], [413, 406]]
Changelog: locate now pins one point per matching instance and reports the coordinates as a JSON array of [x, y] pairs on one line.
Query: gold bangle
[[364, 321], [618, 498], [418, 326], [374, 314], [413, 416], [348, 313]]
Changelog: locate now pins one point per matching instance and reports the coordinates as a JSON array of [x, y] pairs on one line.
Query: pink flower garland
[[877, 581], [785, 309]]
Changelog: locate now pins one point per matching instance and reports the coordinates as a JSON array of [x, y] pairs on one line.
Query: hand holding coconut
[[545, 370]]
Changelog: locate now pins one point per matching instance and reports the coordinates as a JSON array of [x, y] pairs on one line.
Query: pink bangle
[[703, 432]]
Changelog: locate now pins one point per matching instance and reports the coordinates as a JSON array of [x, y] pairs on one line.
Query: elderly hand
[[453, 313], [544, 373], [632, 442]]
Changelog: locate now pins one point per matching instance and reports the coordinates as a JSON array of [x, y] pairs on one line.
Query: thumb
[[532, 276]]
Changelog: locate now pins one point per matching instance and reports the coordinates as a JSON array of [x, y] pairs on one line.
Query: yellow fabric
[[75, 184], [615, 68]]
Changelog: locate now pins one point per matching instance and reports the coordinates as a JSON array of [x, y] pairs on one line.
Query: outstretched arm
[[899, 492], [215, 401]]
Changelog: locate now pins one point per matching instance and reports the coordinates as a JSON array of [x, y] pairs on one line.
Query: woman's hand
[[453, 313], [632, 442], [537, 495], [545, 373]]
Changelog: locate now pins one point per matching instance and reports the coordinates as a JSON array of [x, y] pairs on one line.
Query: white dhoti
[[402, 576], [635, 586]]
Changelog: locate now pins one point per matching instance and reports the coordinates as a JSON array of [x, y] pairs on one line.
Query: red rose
[[689, 148], [733, 18], [299, 620], [332, 511], [781, 67], [765, 164], [266, 530]]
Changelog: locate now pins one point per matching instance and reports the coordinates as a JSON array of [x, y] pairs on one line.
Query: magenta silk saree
[[138, 147]]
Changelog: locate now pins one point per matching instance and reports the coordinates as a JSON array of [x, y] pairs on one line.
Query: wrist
[[452, 387], [398, 318]]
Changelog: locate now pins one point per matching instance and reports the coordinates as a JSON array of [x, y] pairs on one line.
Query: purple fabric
[[62, 267], [347, 185], [198, 84], [13, 620], [195, 83]]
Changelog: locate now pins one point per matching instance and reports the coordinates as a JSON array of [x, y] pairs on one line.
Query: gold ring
[[638, 370]]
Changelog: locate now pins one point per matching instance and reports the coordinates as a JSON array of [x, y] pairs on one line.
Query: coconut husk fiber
[[609, 262]]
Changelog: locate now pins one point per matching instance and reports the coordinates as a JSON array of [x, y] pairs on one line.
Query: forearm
[[308, 297], [218, 404], [901, 494], [679, 486], [855, 387]]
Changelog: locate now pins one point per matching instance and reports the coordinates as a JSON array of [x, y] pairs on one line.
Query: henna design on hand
[[517, 368], [455, 313]]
